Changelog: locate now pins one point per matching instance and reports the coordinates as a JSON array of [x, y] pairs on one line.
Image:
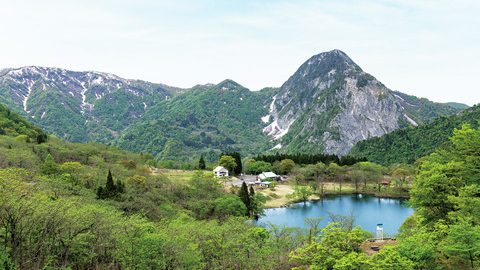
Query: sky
[[427, 48]]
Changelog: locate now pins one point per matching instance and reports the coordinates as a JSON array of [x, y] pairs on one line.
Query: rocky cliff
[[330, 104]]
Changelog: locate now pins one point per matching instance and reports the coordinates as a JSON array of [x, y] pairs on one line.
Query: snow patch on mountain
[[83, 93], [27, 96], [276, 147], [410, 120], [399, 97], [274, 130], [266, 119], [272, 105]]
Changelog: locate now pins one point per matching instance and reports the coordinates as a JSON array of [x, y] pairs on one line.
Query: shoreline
[[320, 197]]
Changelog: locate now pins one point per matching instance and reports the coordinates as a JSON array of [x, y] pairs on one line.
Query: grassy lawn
[[279, 196], [181, 176], [330, 187]]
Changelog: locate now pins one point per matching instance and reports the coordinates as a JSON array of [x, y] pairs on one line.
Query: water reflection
[[367, 210]]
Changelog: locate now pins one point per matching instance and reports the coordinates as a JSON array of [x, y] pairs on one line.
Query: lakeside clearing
[[279, 196]]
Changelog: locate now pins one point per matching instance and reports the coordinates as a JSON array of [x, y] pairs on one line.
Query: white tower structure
[[379, 234]]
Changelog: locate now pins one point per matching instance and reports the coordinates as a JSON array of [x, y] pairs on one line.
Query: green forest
[[409, 144], [89, 206], [206, 119]]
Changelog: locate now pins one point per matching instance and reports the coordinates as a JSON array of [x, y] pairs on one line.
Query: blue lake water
[[368, 211]]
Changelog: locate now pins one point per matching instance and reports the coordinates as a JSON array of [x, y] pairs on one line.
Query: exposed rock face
[[330, 104], [365, 113]]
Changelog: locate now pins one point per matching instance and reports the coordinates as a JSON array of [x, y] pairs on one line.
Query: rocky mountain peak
[[326, 63], [333, 56], [326, 106], [330, 103]]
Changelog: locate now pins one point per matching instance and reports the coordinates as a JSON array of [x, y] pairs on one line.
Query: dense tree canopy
[[408, 145], [446, 196], [229, 163], [12, 124]]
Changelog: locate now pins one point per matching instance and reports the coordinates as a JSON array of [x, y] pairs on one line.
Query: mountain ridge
[[58, 98], [343, 100], [327, 105]]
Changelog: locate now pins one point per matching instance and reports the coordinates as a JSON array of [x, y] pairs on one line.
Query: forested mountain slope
[[407, 145], [79, 106], [12, 124], [327, 106], [206, 120]]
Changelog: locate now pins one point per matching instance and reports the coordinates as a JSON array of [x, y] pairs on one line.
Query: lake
[[367, 211]]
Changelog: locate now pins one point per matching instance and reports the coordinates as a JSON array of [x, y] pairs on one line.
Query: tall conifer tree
[[201, 163], [252, 192], [245, 197], [110, 186]]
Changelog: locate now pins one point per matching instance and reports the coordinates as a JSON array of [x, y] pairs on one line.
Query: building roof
[[220, 169], [268, 175]]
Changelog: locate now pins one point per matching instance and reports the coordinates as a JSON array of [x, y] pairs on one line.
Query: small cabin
[[265, 184], [269, 176], [220, 171]]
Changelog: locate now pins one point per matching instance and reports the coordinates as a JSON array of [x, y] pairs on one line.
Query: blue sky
[[425, 48]]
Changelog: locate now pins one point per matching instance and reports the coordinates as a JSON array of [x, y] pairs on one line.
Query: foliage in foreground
[[446, 195], [40, 227], [339, 248], [444, 232], [50, 217]]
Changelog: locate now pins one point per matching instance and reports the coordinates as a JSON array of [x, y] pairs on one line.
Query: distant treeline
[[311, 159]]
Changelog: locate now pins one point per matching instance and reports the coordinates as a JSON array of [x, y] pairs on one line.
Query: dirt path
[[367, 245]]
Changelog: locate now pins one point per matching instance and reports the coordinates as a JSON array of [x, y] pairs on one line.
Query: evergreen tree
[[111, 189], [101, 193], [238, 169], [50, 167], [201, 163], [238, 160], [245, 197], [252, 192], [110, 186], [252, 203], [120, 187], [41, 138]]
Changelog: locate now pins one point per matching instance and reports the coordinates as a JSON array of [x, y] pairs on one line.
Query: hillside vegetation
[[12, 124], [206, 120], [90, 206], [407, 145]]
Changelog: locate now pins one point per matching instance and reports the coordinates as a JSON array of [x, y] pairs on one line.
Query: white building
[[220, 171], [266, 176]]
